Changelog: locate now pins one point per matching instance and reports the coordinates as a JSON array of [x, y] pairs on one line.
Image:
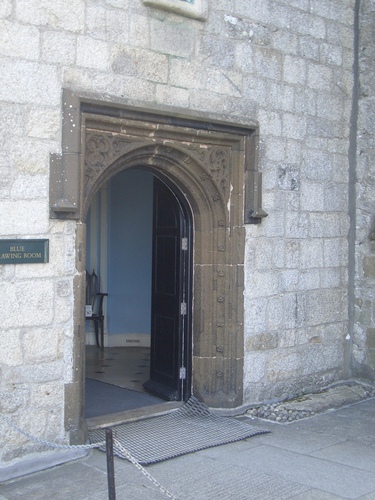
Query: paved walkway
[[326, 457]]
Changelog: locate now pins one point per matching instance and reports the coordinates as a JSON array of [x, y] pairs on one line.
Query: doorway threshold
[[122, 417]]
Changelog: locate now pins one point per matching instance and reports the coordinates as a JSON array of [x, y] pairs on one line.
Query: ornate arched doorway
[[212, 165]]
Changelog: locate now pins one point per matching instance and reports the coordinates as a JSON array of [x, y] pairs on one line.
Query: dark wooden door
[[169, 339]]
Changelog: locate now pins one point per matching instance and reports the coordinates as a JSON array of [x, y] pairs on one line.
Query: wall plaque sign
[[24, 251]]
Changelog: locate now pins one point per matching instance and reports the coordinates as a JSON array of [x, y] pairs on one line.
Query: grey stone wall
[[363, 361], [296, 262], [287, 64]]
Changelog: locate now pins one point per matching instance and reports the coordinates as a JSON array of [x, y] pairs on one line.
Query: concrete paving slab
[[135, 492], [72, 480], [239, 484], [185, 469], [284, 436], [370, 496], [351, 425], [316, 473], [310, 459], [316, 495], [349, 453], [367, 405]]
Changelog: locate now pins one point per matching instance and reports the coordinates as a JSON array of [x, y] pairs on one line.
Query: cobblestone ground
[[308, 405]]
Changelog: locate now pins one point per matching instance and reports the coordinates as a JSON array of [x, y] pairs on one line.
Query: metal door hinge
[[183, 308], [184, 244], [182, 373]]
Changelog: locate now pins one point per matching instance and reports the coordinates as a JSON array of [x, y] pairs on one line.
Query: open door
[[170, 368]]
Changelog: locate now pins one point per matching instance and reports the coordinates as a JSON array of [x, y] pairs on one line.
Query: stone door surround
[[213, 163]]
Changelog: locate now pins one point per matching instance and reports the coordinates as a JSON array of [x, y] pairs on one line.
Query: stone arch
[[213, 163], [212, 285], [184, 171]]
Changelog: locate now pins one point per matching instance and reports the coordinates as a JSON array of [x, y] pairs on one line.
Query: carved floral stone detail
[[216, 161], [102, 149]]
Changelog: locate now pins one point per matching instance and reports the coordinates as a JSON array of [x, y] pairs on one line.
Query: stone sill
[[196, 10]]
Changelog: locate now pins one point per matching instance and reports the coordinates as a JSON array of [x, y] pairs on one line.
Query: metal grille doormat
[[185, 430]]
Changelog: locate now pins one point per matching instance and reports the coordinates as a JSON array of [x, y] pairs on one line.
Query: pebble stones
[[278, 413], [311, 404]]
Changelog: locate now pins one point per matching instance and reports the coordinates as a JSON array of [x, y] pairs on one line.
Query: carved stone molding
[[112, 131], [213, 164], [102, 149]]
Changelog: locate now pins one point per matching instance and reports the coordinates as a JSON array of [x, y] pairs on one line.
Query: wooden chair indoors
[[94, 306]]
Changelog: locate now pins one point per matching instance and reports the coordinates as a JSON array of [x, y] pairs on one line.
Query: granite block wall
[[286, 64]]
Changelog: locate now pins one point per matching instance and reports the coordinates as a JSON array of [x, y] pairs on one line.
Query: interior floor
[[127, 367]]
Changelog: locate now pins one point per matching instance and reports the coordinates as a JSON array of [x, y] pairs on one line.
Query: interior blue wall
[[130, 252]]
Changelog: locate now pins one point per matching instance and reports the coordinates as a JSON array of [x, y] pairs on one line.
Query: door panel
[[168, 339]]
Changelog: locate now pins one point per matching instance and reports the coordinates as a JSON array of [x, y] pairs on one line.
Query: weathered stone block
[[317, 165], [296, 225], [309, 279], [325, 306], [369, 266], [336, 198], [284, 41], [139, 29], [53, 14], [172, 95], [168, 38], [288, 177], [27, 303], [370, 338], [140, 63], [25, 217], [331, 54], [294, 305], [6, 8], [319, 77], [255, 315], [329, 106], [11, 351], [43, 84], [331, 278], [110, 24], [35, 374], [58, 47], [63, 310], [311, 253], [261, 342], [19, 41], [268, 63], [312, 196], [308, 24], [224, 82], [30, 187], [92, 53], [288, 280], [41, 345], [93, 81], [325, 225], [43, 123], [284, 365], [275, 314], [295, 70], [263, 284], [309, 48], [255, 371], [259, 11]]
